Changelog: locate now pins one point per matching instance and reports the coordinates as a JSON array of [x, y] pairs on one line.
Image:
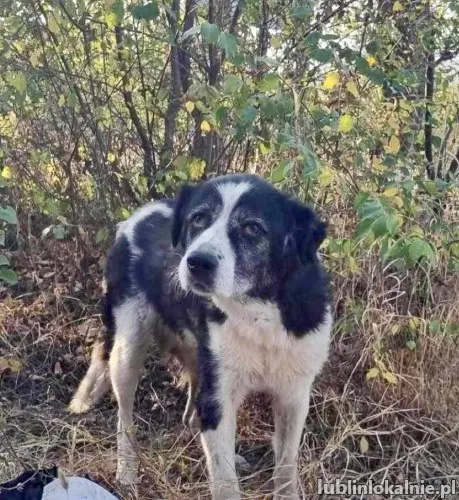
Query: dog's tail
[[96, 382]]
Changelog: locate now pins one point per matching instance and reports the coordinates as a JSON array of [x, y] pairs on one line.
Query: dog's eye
[[252, 229], [198, 220]]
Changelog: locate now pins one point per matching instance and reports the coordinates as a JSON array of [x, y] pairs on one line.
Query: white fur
[[127, 227], [133, 320], [216, 241], [255, 353]]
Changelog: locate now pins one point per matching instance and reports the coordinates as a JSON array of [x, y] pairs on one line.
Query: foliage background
[[351, 105]]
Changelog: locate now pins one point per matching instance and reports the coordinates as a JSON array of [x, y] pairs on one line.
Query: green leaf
[[8, 276], [18, 81], [118, 9], [228, 43], [379, 226], [322, 55], [420, 248], [2, 237], [248, 114], [4, 261], [8, 214], [362, 65], [232, 84], [102, 235], [302, 11], [195, 30], [279, 173], [147, 12], [210, 32], [411, 344], [269, 83]]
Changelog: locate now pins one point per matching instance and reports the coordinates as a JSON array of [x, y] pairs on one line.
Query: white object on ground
[[78, 488]]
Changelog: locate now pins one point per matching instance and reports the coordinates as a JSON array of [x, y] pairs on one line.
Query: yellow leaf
[[390, 192], [6, 172], [351, 87], [372, 373], [417, 231], [326, 177], [189, 106], [395, 329], [414, 323], [372, 61], [196, 169], [61, 100], [205, 127], [331, 80], [111, 157], [378, 164], [276, 42], [393, 122], [406, 105], [390, 377], [34, 58], [364, 445], [397, 201], [394, 145], [353, 266], [52, 25], [398, 7], [8, 124], [10, 365], [346, 122]]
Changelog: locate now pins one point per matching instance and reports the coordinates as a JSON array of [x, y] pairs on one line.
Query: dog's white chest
[[254, 347]]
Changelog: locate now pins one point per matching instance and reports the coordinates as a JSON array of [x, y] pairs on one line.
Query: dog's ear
[[307, 234], [181, 206]]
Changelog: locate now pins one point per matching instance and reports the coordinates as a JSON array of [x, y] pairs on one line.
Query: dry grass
[[410, 427]]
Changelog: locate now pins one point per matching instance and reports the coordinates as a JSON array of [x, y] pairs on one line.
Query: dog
[[227, 277]]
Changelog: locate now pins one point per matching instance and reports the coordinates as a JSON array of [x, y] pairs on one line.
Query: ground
[[357, 428]]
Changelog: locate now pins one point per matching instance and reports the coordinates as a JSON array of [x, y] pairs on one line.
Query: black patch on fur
[[119, 287]]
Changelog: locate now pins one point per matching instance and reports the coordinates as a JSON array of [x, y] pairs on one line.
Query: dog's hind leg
[[95, 383], [133, 320]]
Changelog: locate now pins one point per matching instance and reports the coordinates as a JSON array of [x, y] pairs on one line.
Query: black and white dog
[[227, 278]]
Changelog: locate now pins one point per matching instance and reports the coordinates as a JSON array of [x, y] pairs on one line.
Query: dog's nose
[[202, 263]]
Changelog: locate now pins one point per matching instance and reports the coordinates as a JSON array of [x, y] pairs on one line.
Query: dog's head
[[241, 237]]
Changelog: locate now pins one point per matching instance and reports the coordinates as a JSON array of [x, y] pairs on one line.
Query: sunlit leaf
[[52, 25], [205, 127], [189, 106], [345, 124], [372, 373], [390, 377], [394, 145], [372, 61], [351, 87], [331, 80], [390, 192], [364, 445], [397, 7], [6, 172]]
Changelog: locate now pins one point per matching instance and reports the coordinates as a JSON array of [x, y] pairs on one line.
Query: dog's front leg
[[219, 447], [290, 412], [218, 423]]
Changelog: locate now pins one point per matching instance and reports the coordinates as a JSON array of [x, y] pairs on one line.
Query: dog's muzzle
[[202, 268]]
